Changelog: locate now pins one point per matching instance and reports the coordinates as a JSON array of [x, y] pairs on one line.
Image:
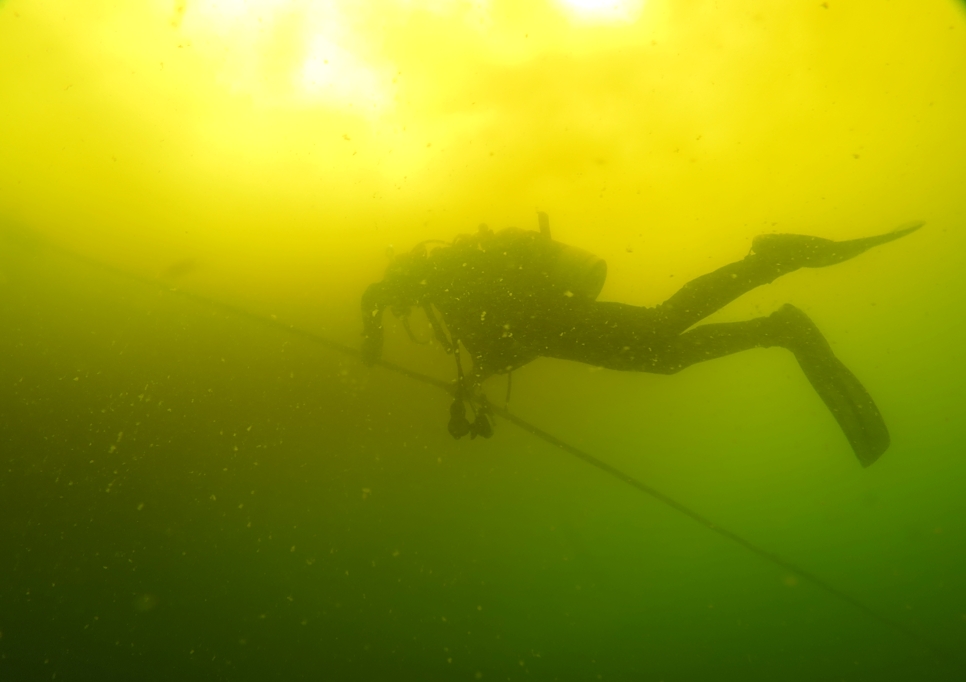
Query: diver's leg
[[708, 293], [849, 402], [630, 338], [771, 256]]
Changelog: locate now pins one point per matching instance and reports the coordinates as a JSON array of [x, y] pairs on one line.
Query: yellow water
[[187, 493]]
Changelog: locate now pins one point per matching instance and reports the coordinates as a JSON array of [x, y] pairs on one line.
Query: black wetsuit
[[512, 296]]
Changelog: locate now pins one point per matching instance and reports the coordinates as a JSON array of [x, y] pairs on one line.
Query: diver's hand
[[458, 425], [371, 348]]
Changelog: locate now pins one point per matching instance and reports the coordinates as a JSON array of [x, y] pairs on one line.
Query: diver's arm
[[374, 302], [437, 327]]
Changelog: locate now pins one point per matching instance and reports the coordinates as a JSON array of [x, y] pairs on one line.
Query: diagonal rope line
[[712, 526], [938, 653]]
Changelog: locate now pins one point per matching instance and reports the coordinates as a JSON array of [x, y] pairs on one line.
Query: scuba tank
[[576, 271], [531, 264]]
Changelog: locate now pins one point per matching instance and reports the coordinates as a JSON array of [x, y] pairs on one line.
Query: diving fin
[[850, 404], [840, 390], [803, 251]]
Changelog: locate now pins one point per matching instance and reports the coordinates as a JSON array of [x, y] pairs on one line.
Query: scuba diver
[[512, 296]]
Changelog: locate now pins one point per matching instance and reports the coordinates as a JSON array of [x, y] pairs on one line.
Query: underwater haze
[[200, 479]]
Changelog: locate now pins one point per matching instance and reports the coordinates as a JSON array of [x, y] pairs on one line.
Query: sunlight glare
[[292, 51], [605, 10], [333, 74]]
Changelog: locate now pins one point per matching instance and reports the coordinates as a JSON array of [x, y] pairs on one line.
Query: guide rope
[[453, 388]]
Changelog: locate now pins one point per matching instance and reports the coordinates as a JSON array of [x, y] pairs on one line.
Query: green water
[[189, 494], [196, 483]]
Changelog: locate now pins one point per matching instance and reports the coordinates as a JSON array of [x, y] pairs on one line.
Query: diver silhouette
[[512, 296]]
